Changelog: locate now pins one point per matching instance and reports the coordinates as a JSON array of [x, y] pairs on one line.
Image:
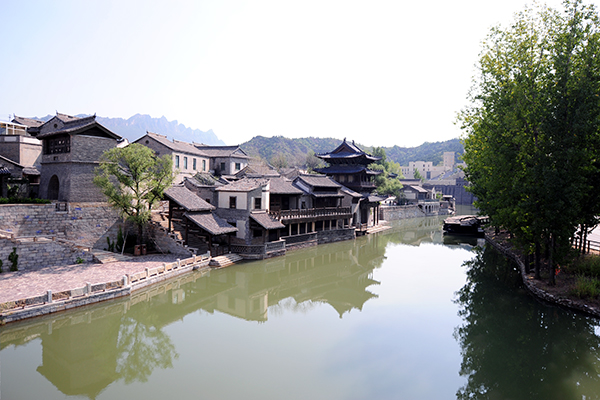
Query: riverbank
[[35, 292], [559, 294]]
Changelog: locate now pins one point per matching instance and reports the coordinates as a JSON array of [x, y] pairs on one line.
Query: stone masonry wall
[[396, 213], [41, 254], [83, 223], [335, 235]]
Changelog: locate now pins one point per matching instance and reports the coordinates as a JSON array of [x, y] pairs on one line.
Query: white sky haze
[[382, 73]]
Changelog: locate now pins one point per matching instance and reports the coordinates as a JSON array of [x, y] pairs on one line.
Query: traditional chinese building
[[349, 166]]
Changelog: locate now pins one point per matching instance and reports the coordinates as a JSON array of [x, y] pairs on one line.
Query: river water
[[402, 314]]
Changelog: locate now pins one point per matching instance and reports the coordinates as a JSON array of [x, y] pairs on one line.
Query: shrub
[[14, 259], [586, 287], [588, 265], [17, 200]]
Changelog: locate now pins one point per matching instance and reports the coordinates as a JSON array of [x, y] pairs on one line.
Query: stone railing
[[91, 289]]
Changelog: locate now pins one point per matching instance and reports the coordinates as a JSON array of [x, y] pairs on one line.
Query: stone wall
[[335, 235], [396, 213], [84, 223], [41, 254]]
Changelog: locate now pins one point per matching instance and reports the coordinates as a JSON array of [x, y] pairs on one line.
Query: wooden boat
[[464, 225]]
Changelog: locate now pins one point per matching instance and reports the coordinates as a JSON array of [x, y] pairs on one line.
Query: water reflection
[[516, 348], [85, 350]]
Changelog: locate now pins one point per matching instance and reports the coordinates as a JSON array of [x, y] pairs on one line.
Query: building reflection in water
[[85, 350]]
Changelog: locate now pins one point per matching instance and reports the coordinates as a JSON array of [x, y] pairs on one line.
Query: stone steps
[[105, 257], [225, 261]]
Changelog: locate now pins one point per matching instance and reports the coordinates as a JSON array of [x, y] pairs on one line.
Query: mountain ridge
[[137, 125], [295, 150]]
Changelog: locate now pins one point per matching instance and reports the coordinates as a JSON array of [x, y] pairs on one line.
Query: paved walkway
[[35, 282]]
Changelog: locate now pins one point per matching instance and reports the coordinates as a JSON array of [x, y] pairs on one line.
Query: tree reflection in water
[[143, 346], [514, 347]]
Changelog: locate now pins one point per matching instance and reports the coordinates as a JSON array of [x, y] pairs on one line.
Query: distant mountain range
[[135, 127], [296, 150]]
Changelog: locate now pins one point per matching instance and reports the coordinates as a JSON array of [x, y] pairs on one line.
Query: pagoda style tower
[[348, 165]]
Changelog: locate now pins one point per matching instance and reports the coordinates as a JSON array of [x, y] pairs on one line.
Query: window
[[203, 165], [257, 233], [184, 162], [232, 202], [176, 161], [194, 164], [222, 166], [257, 203], [56, 145], [238, 166]]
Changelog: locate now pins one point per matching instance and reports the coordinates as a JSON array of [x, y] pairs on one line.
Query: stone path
[[35, 282]]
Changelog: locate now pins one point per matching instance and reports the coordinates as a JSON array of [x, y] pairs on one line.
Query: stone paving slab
[[35, 282]]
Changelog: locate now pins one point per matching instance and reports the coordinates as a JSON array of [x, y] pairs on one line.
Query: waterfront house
[[244, 204], [195, 219]]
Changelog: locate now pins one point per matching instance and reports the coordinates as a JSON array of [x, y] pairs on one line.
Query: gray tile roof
[[283, 185], [175, 145], [74, 125], [319, 181], [265, 220], [30, 122], [203, 179], [243, 185], [221, 151], [187, 199], [211, 223]]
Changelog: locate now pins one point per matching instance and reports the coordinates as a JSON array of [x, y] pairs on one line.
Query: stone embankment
[[65, 299], [535, 287]]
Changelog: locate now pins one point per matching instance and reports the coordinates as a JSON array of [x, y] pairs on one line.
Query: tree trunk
[[537, 262], [552, 280]]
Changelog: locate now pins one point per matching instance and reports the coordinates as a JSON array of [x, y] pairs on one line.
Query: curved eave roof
[[211, 223]]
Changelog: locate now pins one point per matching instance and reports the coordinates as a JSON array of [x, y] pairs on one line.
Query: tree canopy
[[532, 142], [134, 179], [387, 182]]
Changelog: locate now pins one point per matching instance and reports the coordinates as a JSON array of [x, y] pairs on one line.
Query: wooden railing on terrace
[[589, 246], [311, 213]]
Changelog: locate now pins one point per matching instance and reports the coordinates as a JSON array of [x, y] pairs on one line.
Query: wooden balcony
[[311, 213]]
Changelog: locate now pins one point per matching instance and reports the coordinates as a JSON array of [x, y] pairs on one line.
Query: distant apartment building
[[426, 168]]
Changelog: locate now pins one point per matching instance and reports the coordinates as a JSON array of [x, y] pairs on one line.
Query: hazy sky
[[382, 73]]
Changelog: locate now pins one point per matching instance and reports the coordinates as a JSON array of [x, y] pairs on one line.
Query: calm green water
[[396, 315]]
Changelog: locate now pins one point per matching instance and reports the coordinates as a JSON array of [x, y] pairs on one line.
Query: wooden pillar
[[170, 214], [186, 229]]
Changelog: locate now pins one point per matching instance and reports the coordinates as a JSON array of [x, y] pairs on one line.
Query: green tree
[[312, 161], [531, 144], [386, 182], [134, 179]]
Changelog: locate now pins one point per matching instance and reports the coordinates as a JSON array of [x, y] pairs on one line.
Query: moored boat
[[464, 225]]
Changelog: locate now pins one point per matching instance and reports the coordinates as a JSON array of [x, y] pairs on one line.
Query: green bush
[[586, 287], [17, 200], [588, 265], [14, 259]]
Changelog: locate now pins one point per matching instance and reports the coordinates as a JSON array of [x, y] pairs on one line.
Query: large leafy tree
[[531, 144], [133, 179], [386, 183]]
